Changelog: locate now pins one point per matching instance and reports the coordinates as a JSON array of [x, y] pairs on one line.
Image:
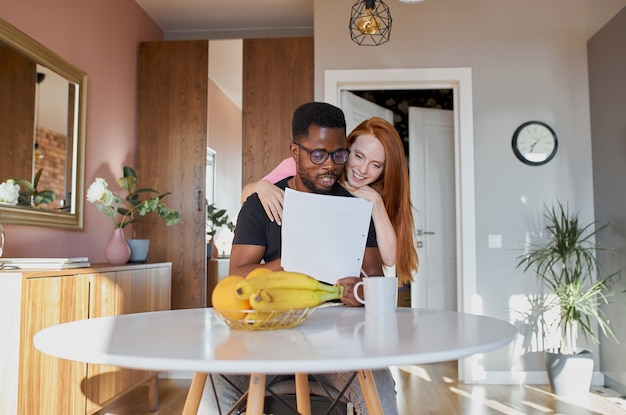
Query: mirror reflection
[[42, 133], [52, 147]]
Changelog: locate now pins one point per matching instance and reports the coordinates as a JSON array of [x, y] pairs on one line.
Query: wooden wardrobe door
[[171, 157], [17, 116], [277, 77]]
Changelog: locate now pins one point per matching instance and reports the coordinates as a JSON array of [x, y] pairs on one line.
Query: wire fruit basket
[[258, 320]]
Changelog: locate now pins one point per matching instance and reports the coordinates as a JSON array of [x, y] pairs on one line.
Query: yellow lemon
[[224, 298]]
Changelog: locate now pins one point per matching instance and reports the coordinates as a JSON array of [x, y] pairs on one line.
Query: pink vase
[[117, 251]]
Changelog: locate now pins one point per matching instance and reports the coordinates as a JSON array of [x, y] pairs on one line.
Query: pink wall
[[225, 123], [101, 38]]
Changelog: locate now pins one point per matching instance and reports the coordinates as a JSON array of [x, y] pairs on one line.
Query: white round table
[[332, 339]]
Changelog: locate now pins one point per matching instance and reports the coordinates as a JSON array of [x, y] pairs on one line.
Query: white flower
[[9, 192], [99, 192]]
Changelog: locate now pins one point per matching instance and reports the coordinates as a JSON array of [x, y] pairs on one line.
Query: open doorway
[[459, 81], [425, 123]]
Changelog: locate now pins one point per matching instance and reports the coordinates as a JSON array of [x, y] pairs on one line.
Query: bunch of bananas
[[283, 290]]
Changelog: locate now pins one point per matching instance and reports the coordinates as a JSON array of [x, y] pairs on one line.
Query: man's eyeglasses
[[320, 156]]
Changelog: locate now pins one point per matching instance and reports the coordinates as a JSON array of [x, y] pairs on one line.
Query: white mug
[[381, 294]]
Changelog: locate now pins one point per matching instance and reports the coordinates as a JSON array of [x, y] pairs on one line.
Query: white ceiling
[[220, 19]]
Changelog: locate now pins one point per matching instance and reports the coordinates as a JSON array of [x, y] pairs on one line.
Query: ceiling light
[[411, 1], [370, 23], [38, 154]]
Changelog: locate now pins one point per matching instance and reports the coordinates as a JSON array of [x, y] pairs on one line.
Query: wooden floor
[[423, 390]]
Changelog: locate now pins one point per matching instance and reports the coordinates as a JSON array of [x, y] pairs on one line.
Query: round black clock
[[534, 143]]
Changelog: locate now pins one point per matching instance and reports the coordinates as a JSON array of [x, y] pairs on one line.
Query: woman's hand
[[272, 198], [348, 291], [365, 192]]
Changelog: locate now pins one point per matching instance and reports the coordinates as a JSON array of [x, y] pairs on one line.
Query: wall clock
[[534, 143]]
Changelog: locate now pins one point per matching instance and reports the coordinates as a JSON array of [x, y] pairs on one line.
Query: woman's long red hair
[[393, 186]]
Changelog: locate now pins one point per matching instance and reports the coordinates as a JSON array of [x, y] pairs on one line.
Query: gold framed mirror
[[42, 129]]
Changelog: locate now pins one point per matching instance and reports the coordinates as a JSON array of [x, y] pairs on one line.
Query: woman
[[377, 171]]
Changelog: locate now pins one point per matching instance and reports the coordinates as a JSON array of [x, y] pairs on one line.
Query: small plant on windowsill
[[215, 219]]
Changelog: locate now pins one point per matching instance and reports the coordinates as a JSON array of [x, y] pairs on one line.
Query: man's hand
[[348, 291]]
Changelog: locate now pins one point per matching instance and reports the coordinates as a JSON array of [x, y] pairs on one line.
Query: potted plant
[[215, 219], [566, 265], [31, 196], [122, 212], [11, 192]]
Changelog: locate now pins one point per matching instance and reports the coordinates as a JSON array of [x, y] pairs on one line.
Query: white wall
[[607, 66], [226, 67], [529, 62]]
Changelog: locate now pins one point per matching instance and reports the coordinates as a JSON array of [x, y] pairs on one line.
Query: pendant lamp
[[370, 23]]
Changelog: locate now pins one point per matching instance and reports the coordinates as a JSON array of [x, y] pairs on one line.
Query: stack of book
[[44, 263]]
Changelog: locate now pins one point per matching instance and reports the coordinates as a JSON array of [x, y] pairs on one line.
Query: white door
[[358, 109], [431, 168]]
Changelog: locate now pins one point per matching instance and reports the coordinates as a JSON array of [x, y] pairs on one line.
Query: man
[[320, 152]]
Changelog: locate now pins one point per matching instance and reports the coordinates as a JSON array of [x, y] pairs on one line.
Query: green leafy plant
[[217, 218], [567, 266], [22, 192], [122, 210], [31, 196]]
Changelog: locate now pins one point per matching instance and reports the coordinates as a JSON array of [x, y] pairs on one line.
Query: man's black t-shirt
[[255, 228]]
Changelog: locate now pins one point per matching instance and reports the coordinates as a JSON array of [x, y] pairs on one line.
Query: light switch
[[495, 241]]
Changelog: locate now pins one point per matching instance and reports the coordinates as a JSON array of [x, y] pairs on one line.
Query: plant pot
[[138, 250], [211, 250], [570, 374]]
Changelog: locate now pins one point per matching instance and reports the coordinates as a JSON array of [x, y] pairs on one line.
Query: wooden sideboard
[[32, 382]]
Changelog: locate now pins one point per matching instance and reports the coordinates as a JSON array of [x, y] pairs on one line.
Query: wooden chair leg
[[256, 395], [370, 394], [303, 398], [195, 394]]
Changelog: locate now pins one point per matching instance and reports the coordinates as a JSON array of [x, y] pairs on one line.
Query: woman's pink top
[[285, 169]]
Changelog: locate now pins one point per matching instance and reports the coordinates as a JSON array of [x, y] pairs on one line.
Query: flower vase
[[117, 251]]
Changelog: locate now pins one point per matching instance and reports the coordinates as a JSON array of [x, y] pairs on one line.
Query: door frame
[[460, 81]]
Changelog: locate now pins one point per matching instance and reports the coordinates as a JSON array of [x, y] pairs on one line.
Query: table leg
[[370, 394], [153, 393], [256, 395], [195, 394], [303, 398]]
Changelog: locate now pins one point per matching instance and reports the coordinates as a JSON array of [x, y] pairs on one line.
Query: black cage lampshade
[[370, 23]]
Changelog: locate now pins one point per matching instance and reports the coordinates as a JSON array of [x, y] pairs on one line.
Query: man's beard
[[310, 184]]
